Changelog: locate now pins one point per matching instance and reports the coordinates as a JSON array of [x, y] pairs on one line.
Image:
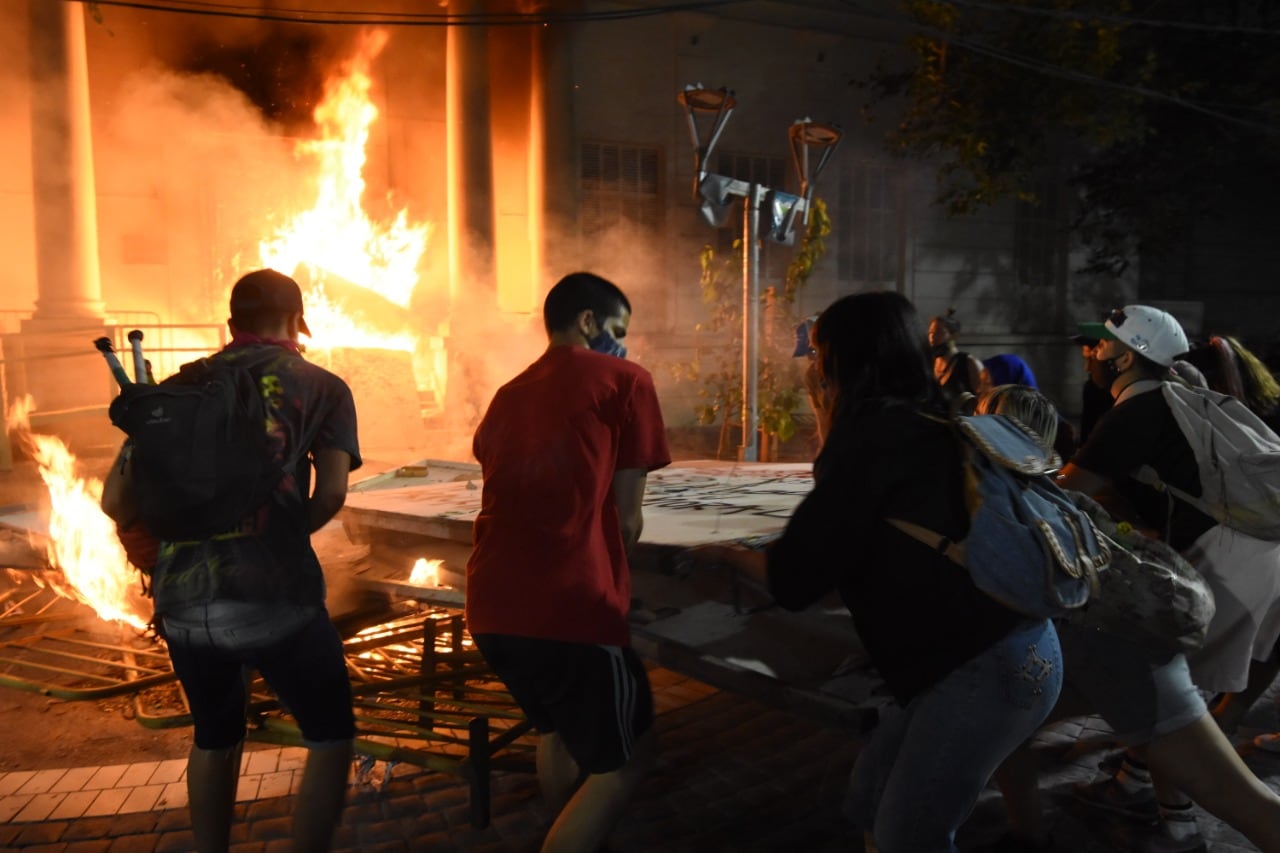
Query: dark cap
[[267, 291]]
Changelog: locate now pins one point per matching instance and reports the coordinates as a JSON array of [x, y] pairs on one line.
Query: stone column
[[53, 358], [471, 216], [69, 286]]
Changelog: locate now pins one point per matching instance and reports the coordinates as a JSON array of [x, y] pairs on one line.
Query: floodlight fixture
[[822, 140], [698, 99]]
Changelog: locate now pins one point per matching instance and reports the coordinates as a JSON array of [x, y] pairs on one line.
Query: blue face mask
[[607, 344]]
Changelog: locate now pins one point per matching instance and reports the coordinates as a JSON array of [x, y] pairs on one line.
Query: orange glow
[[426, 572], [89, 563], [336, 239]]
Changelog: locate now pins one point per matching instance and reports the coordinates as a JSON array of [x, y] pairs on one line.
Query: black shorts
[[596, 698]]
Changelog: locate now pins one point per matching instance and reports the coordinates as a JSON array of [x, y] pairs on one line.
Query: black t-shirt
[[270, 558], [1142, 431], [918, 613]]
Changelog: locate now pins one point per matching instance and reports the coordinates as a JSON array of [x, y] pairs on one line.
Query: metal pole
[[751, 325]]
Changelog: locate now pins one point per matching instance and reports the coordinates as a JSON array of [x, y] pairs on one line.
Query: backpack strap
[[944, 545]]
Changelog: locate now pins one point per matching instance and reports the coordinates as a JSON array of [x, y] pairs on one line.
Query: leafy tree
[[718, 362], [1153, 107]]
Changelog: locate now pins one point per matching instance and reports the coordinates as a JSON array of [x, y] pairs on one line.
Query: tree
[[1153, 107], [718, 365]]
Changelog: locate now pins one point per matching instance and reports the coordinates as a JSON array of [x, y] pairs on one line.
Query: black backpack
[[200, 457]]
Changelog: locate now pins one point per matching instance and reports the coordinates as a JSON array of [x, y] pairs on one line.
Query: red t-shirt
[[548, 559]]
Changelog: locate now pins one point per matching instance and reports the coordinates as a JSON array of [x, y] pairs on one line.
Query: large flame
[[82, 544], [336, 238]]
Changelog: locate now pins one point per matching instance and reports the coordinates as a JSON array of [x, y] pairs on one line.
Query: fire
[[426, 572], [82, 543], [336, 238]]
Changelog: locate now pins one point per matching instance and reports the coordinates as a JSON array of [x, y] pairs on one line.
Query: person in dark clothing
[[1095, 395], [970, 678], [958, 373], [254, 596]]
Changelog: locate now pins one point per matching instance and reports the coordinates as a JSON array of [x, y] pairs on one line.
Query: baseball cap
[[267, 291], [1149, 331], [1093, 332]]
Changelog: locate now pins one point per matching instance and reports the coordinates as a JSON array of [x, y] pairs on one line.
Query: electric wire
[[404, 19]]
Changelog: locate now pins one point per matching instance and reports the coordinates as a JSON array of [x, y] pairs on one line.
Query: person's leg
[[604, 716], [872, 768], [1019, 779], [214, 684], [558, 773], [322, 795], [591, 813], [1200, 761], [308, 671], [212, 776], [959, 732], [1230, 710]]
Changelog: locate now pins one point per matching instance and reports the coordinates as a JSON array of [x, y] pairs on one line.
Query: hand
[[747, 562]]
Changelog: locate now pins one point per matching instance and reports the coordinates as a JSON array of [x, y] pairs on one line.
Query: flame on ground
[[82, 544]]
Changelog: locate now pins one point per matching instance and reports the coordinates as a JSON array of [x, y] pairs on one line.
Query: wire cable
[[404, 19]]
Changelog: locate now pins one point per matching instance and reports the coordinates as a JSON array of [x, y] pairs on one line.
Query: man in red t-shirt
[[565, 449]]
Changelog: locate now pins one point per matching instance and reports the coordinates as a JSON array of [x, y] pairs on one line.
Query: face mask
[[939, 350], [607, 344], [1103, 372]]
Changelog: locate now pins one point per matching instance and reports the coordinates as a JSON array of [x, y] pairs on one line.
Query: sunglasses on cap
[[1117, 318]]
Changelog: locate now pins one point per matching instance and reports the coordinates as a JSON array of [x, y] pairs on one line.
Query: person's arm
[[330, 493], [1101, 489], [117, 492], [1082, 480], [628, 496]]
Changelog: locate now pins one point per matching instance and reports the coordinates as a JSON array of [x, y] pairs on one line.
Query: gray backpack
[[1238, 457]]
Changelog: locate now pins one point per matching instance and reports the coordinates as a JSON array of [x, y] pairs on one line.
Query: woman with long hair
[[971, 678]]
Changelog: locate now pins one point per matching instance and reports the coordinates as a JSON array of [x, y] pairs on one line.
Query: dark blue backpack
[[200, 459]]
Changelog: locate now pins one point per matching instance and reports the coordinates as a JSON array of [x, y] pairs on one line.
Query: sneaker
[[1109, 795], [1163, 836]]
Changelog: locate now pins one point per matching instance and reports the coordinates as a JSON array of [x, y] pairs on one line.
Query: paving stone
[[96, 845], [172, 820], [134, 824], [265, 809], [39, 833], [88, 827], [270, 829], [178, 841], [134, 843]]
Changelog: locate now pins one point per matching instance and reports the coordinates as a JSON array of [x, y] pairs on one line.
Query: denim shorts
[[305, 667], [1140, 693]]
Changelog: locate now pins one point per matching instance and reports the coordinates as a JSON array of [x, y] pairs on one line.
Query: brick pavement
[[734, 775]]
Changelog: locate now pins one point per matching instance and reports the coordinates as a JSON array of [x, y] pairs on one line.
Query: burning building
[[427, 175]]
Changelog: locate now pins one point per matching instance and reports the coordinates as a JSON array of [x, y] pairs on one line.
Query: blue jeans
[[918, 777]]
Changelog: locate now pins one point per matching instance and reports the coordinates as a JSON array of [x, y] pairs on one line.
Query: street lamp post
[[716, 194]]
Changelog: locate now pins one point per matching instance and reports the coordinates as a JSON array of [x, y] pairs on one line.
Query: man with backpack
[[253, 419], [1142, 452]]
